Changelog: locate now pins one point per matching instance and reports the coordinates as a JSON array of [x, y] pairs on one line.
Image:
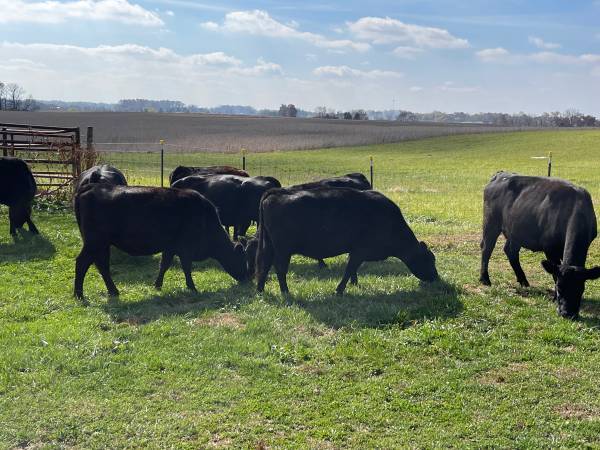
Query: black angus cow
[[145, 221], [237, 198], [325, 222], [17, 189], [541, 214], [351, 180], [101, 174], [183, 171]]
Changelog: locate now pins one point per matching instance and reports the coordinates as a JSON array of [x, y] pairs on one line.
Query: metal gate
[[52, 153]]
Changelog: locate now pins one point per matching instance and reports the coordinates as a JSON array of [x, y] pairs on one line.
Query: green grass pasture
[[393, 363]]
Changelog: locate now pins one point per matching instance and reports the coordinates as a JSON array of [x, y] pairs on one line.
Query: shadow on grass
[[590, 307], [375, 310], [178, 303], [364, 309], [27, 246], [307, 268]]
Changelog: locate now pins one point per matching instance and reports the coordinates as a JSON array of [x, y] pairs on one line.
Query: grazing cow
[[17, 189], [325, 222], [236, 198], [145, 221], [182, 171], [350, 180], [541, 214], [101, 174]]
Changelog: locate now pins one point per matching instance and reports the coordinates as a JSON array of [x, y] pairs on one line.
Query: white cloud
[[540, 43], [346, 72], [385, 30], [449, 86], [262, 67], [553, 58], [501, 55], [170, 13], [406, 52], [415, 89], [260, 23], [55, 12], [492, 54], [132, 60]]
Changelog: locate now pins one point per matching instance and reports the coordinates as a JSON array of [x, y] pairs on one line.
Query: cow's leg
[[264, 261], [165, 262], [82, 263], [512, 252], [242, 228], [354, 278], [32, 228], [186, 266], [12, 218], [556, 260], [353, 264], [321, 263], [488, 242], [282, 263], [102, 261]]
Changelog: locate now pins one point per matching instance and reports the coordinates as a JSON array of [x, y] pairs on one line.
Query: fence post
[[371, 161], [4, 143], [549, 163], [243, 159], [162, 161]]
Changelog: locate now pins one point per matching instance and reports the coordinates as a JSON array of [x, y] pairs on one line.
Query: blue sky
[[462, 55]]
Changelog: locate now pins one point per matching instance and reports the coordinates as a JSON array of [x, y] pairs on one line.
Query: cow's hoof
[[524, 283], [485, 281], [339, 293], [113, 294]]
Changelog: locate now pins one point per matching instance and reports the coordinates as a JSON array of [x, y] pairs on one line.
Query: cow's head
[[570, 283], [422, 263], [237, 266]]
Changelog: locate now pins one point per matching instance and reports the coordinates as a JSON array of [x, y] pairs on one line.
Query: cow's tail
[[264, 253]]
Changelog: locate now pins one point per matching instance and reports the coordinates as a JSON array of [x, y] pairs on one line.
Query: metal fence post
[[371, 161], [549, 163], [162, 161], [243, 159]]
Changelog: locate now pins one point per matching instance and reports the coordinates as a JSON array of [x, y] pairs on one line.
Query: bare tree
[[2, 94], [14, 93]]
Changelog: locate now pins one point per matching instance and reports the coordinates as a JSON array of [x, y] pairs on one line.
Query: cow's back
[[328, 220], [140, 220], [538, 212], [16, 181]]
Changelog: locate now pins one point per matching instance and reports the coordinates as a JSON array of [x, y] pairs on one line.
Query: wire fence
[[144, 168]]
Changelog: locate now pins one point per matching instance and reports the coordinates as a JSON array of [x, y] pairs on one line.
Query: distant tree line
[[322, 112], [569, 118], [12, 98], [288, 110]]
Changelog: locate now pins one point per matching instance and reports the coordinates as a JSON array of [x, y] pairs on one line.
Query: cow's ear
[[550, 267], [592, 274]]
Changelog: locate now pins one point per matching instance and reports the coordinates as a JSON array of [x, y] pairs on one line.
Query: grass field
[[393, 363]]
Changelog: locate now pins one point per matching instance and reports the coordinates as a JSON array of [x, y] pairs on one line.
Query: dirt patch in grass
[[452, 241], [578, 412], [218, 442], [502, 375], [227, 320]]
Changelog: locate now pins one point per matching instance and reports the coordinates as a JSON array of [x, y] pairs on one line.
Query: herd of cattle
[[321, 219]]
